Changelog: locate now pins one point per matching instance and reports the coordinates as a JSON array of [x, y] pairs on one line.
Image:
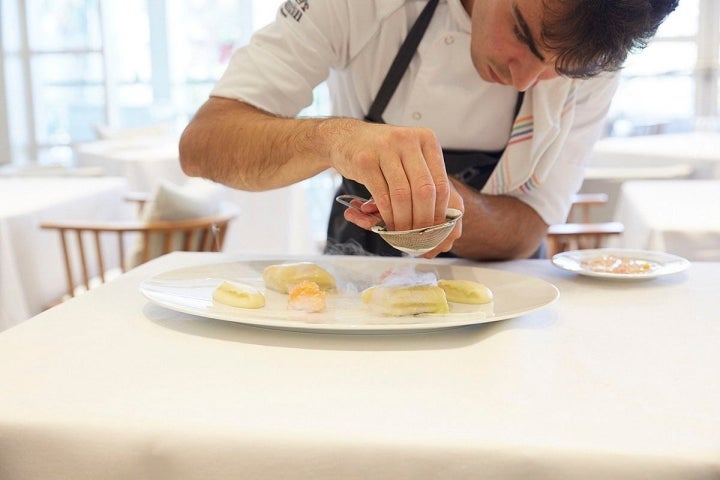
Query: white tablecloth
[[700, 150], [142, 160], [675, 156], [31, 265], [616, 380], [676, 216], [275, 221]]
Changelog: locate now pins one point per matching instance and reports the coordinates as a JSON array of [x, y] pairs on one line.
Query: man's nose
[[525, 74]]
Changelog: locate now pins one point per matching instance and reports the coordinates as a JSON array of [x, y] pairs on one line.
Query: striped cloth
[[537, 137]]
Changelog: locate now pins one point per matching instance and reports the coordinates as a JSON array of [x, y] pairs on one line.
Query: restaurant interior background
[[73, 69]]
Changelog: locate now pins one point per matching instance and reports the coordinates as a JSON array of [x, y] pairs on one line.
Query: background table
[[616, 160], [701, 150], [677, 216], [143, 161], [274, 221], [616, 380], [31, 272]]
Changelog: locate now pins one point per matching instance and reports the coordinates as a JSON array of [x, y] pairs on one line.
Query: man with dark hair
[[487, 106]]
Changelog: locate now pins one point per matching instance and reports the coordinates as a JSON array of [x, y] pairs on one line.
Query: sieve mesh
[[421, 240], [413, 242]]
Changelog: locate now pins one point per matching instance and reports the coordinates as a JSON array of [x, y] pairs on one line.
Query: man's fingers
[[446, 244], [422, 191], [404, 171], [399, 193], [361, 220], [436, 167]]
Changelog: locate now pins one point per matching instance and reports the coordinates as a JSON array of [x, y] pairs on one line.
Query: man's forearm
[[238, 145], [497, 227]]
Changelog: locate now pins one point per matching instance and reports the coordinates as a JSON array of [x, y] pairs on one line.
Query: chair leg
[[68, 266]]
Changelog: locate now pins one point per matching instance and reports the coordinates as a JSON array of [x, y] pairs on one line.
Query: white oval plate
[[574, 261], [189, 290]]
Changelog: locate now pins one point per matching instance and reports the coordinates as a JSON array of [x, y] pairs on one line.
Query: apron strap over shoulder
[[400, 63]]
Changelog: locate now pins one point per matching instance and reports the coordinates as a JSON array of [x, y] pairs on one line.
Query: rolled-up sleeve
[[553, 198]]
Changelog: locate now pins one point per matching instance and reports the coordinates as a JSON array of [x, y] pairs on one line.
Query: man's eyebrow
[[526, 36]]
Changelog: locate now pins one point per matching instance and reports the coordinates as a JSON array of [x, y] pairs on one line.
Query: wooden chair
[[582, 205], [140, 199], [88, 247], [580, 232]]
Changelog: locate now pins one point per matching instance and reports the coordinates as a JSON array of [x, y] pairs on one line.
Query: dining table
[[278, 220], [675, 216], [562, 376], [31, 259], [143, 160], [668, 156], [660, 154]]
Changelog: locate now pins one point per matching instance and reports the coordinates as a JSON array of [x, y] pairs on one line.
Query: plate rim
[[463, 318], [673, 263]]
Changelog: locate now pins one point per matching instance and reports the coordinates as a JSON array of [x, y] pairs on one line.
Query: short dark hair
[[594, 36]]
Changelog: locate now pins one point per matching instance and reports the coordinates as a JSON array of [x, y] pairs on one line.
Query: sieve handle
[[347, 201]]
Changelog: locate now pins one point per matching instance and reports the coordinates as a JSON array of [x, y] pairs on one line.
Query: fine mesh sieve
[[413, 242]]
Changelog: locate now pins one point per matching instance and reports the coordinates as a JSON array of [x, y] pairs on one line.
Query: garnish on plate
[[619, 265]]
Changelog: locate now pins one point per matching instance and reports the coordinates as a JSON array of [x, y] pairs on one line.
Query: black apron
[[472, 167]]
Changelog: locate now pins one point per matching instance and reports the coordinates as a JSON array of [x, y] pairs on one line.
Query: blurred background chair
[[95, 252], [140, 199], [580, 232], [190, 217]]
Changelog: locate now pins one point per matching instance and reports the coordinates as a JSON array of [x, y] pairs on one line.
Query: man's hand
[[402, 168], [370, 208]]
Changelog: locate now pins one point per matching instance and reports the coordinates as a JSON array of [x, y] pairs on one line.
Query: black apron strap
[[400, 63]]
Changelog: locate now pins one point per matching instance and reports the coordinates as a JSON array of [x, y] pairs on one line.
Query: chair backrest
[[140, 199], [94, 248], [577, 236], [579, 232], [582, 205]]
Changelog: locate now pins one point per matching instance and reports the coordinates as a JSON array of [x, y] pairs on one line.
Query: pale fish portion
[[238, 295], [284, 277], [406, 300], [466, 291]]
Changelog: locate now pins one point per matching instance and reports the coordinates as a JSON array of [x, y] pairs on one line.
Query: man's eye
[[519, 34]]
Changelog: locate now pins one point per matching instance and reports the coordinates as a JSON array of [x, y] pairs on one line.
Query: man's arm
[[241, 146], [497, 227], [238, 145], [500, 227]]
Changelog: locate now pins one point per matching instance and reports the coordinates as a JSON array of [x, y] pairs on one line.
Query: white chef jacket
[[351, 44]]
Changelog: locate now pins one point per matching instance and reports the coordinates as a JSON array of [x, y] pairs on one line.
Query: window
[[672, 85], [54, 73], [73, 66]]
